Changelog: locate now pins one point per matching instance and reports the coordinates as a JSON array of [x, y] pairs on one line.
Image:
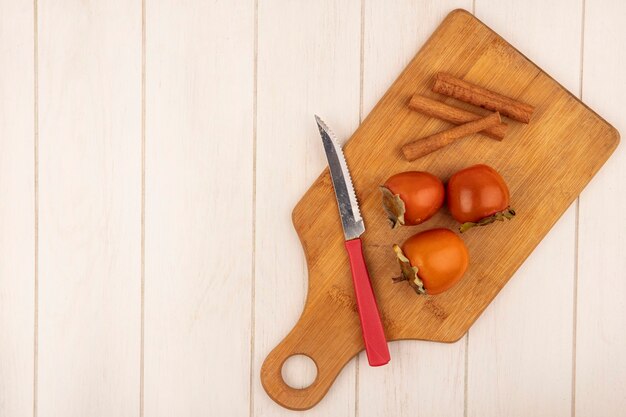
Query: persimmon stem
[[393, 206], [508, 213], [408, 271]]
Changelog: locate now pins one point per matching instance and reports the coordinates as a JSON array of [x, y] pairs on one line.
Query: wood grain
[[199, 161], [391, 40], [17, 208], [601, 309], [520, 350], [90, 208], [328, 329], [312, 70]]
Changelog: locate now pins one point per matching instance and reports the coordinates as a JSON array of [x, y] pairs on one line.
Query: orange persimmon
[[432, 261], [478, 196], [412, 197]]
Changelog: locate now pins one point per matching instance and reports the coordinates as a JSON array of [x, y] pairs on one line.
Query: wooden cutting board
[[546, 164]]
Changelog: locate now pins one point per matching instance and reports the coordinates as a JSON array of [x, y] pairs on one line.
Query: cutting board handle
[[301, 341]]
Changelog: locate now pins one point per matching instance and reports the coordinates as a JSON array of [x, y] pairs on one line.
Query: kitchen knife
[[353, 227]]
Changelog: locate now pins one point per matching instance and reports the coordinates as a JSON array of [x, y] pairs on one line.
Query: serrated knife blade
[[349, 212], [353, 227]]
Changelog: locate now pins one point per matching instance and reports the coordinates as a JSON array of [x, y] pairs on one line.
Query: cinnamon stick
[[470, 93], [421, 147], [443, 111]]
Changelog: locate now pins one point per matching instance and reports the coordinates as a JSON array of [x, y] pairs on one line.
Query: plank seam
[[575, 310], [254, 165], [466, 376], [362, 59], [36, 208], [143, 211], [582, 51], [577, 228]]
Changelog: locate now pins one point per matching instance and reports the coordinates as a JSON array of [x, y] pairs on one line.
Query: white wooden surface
[[151, 153], [17, 208], [89, 187], [198, 208], [601, 311]]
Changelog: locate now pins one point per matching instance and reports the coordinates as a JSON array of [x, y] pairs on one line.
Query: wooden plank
[[90, 208], [199, 161], [393, 33], [601, 310], [308, 62], [520, 350], [17, 208]]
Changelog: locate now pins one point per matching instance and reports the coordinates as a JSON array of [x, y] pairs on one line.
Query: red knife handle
[[371, 325]]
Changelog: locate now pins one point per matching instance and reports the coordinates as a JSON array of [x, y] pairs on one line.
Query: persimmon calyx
[[409, 272], [394, 207], [508, 213]]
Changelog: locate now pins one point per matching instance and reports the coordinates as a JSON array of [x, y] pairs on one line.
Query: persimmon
[[432, 261], [478, 196], [412, 197]]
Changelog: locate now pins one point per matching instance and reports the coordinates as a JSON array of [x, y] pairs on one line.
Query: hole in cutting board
[[299, 371]]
